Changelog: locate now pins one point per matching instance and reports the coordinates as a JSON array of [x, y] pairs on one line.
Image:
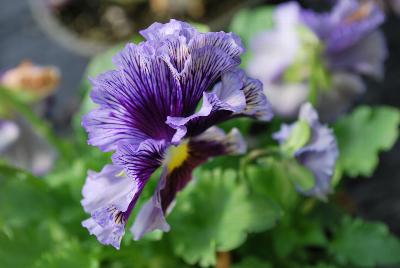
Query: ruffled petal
[[159, 31], [163, 76], [196, 60], [236, 95], [109, 186], [107, 196], [320, 154], [199, 62], [134, 100], [107, 235], [213, 142]]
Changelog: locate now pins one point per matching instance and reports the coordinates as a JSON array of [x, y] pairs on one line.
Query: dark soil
[[110, 21]]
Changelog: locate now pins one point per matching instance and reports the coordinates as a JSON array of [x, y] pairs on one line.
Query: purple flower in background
[[324, 50], [22, 147], [158, 109], [318, 155], [351, 37], [9, 133], [395, 5]]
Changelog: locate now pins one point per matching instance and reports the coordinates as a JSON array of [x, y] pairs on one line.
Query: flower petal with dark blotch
[[140, 162], [213, 142]]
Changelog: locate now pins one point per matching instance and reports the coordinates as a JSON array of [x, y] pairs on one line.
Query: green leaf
[[302, 177], [270, 179], [252, 262], [215, 213], [288, 238], [21, 247], [362, 135], [243, 124], [45, 244], [66, 255], [23, 198], [365, 244], [142, 254]]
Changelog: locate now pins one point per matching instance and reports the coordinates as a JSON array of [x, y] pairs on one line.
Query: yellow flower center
[[177, 155]]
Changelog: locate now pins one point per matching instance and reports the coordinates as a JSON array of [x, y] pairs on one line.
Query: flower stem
[[223, 259]]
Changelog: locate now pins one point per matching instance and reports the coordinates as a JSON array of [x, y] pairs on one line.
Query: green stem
[[41, 126], [313, 96], [252, 156]]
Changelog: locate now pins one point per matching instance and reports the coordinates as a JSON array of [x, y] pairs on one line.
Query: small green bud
[[300, 136]]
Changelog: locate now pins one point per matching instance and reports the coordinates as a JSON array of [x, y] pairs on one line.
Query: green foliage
[[30, 231], [42, 245], [270, 178], [250, 262], [18, 189], [215, 214], [142, 254], [66, 255], [364, 244], [362, 135]]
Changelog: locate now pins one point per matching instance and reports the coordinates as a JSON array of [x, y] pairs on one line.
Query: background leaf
[[251, 262], [362, 135], [215, 215], [365, 244]]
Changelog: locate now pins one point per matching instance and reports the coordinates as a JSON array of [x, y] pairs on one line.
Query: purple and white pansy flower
[[310, 49], [159, 108], [318, 152]]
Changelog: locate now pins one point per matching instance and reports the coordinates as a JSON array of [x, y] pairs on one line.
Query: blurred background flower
[[28, 85], [306, 55], [29, 79]]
